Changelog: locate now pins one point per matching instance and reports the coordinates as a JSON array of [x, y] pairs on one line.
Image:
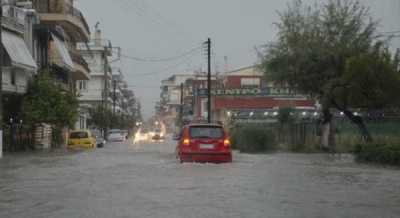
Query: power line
[[167, 68], [161, 59]]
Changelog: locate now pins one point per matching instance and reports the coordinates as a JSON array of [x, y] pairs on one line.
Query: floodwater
[[145, 180]]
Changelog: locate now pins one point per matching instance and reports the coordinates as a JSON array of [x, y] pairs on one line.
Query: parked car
[[115, 135], [100, 141], [204, 143], [81, 139]]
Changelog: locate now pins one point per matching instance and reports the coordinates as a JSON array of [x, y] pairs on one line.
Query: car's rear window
[[213, 132], [78, 135]]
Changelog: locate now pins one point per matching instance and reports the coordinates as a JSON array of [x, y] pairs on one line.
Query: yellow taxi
[[81, 139]]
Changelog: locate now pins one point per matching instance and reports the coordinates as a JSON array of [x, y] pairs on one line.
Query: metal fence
[[307, 133], [296, 134], [17, 138]]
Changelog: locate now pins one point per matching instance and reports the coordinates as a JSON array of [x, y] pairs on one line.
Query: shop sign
[[269, 91]]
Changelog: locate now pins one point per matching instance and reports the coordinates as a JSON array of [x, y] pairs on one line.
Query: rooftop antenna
[[97, 25]]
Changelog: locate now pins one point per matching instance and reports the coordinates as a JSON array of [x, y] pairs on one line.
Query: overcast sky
[[157, 29]]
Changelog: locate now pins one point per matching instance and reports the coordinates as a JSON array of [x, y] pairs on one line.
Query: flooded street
[[145, 180]]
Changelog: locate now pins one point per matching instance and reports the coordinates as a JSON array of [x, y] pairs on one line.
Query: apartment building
[[62, 27], [97, 90]]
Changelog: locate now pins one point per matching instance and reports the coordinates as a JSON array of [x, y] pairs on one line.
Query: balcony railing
[[77, 58], [60, 7], [69, 9]]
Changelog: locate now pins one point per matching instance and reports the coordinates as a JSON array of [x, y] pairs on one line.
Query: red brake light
[[227, 142], [186, 141]]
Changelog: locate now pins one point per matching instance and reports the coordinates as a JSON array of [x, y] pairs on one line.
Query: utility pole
[[114, 95], [181, 106], [1, 82], [105, 96], [209, 81]]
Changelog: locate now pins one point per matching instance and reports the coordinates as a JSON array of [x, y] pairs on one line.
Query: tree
[[47, 102], [100, 117], [333, 53]]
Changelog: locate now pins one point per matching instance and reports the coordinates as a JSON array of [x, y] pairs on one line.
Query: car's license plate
[[206, 146]]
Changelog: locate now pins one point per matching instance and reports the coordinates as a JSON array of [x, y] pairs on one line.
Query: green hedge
[[253, 138], [384, 154]]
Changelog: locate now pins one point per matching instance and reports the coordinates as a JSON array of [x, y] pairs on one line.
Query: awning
[[18, 51], [63, 51]]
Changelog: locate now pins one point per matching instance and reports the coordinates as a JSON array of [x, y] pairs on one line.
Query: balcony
[[81, 67], [12, 24], [62, 12]]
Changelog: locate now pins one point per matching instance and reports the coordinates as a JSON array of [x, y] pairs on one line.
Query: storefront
[[246, 92]]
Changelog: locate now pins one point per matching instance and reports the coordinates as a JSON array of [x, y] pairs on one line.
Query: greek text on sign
[[250, 91]]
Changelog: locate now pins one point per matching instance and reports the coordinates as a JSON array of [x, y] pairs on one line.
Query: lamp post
[[12, 141], [1, 81]]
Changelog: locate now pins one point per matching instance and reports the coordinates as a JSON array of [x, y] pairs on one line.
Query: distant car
[[81, 139], [157, 135], [204, 143], [115, 135], [100, 141]]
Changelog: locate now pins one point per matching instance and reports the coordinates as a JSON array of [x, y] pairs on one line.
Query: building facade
[[248, 92], [243, 93], [97, 90], [62, 27], [169, 106]]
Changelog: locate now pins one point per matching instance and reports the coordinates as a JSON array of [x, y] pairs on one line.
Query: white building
[[19, 64], [170, 88], [97, 90]]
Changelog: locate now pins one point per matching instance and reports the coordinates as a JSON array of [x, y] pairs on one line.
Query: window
[[250, 82], [82, 85], [78, 135], [212, 132]]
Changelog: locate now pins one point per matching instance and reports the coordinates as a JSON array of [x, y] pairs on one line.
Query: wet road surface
[[145, 180]]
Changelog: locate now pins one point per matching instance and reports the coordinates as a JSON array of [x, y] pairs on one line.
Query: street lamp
[[1, 83]]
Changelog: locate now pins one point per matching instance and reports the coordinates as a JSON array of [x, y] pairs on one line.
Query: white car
[[115, 135]]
